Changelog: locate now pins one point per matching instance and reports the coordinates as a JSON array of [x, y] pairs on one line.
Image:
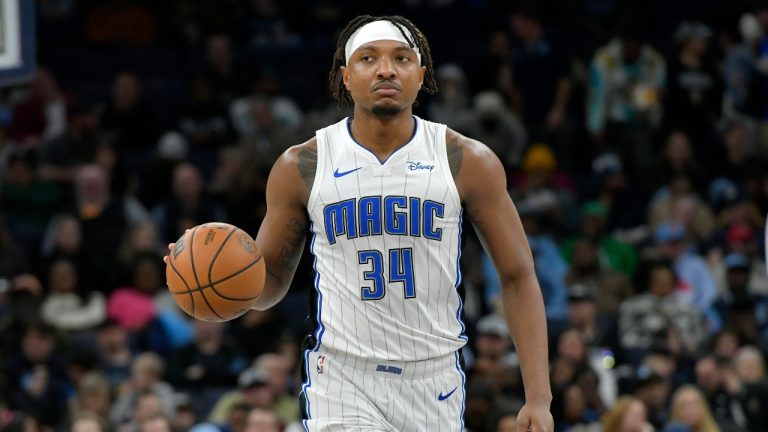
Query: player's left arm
[[482, 185]]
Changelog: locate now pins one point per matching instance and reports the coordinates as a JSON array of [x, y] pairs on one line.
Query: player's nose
[[385, 68]]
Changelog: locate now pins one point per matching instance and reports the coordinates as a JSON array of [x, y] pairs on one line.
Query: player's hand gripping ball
[[215, 272]]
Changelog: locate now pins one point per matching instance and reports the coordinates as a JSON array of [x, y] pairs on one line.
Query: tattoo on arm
[[293, 244], [308, 165], [455, 156]]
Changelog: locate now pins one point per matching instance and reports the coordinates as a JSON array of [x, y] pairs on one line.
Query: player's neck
[[382, 135]]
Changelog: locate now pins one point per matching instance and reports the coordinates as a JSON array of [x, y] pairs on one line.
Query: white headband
[[378, 30]]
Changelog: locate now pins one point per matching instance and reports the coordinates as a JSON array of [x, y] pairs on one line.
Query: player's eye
[[402, 58], [366, 58]]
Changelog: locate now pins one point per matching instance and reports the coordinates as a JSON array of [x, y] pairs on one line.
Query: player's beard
[[386, 111]]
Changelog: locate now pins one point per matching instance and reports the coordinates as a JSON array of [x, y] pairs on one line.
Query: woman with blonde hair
[[690, 408], [628, 415]]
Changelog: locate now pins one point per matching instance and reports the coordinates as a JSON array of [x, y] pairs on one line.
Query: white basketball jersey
[[386, 242]]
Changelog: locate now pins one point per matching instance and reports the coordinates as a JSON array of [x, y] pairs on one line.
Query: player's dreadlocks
[[338, 89]]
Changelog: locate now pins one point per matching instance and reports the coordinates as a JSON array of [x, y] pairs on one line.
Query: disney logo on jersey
[[419, 166]]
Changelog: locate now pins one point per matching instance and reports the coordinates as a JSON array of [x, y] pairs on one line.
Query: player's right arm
[[283, 231]]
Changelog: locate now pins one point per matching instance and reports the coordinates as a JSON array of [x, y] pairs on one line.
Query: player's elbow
[[514, 281]]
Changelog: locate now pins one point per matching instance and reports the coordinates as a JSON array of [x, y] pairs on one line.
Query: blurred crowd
[[635, 138]]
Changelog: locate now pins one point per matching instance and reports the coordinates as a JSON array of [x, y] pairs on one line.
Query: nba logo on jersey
[[320, 364]]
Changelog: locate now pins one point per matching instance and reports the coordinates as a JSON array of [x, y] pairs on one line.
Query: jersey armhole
[[320, 141], [442, 151]]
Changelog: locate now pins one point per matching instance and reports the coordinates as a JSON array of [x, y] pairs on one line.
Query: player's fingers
[[540, 424], [523, 423], [165, 259], [170, 246]]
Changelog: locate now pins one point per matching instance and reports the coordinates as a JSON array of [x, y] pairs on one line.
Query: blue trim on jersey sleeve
[[382, 162], [462, 335], [318, 332]]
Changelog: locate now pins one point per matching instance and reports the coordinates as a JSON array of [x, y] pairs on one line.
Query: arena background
[[634, 134]]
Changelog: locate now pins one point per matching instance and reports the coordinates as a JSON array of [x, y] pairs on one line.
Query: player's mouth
[[386, 89]]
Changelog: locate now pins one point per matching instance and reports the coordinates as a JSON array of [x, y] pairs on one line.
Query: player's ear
[[422, 72], [345, 76]]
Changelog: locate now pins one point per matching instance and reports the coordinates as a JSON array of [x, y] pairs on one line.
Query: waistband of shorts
[[395, 369]]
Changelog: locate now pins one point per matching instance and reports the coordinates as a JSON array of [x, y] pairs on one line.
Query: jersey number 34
[[400, 270]]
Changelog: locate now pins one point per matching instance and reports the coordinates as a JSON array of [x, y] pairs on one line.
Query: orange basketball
[[215, 272]]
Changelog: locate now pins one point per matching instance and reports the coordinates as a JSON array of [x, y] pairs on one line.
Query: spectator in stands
[[64, 241], [38, 383], [678, 203], [695, 284], [146, 374], [711, 378], [237, 420], [184, 416], [208, 361], [653, 391], [743, 80], [227, 79], [88, 422], [678, 160], [43, 115], [646, 315], [741, 309], [188, 206], [751, 387], [615, 255], [498, 127], [27, 201], [451, 105], [205, 121], [93, 395], [147, 405], [599, 330], [128, 117], [158, 423], [240, 188], [627, 415], [68, 306], [262, 420], [273, 368], [267, 126], [141, 239], [253, 390], [741, 160], [13, 261], [627, 78], [541, 66], [571, 413], [695, 90], [278, 372], [613, 287], [104, 218], [690, 410], [133, 306], [114, 351]]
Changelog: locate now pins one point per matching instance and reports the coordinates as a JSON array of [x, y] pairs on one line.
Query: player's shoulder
[[468, 155], [300, 161], [296, 153]]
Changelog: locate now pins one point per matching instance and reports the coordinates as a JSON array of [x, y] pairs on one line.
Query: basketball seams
[[216, 255], [212, 284], [188, 291], [194, 271]]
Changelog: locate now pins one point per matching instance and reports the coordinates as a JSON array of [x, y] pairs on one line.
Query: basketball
[[215, 272]]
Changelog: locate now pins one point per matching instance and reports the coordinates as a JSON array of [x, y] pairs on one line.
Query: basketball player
[[383, 194]]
